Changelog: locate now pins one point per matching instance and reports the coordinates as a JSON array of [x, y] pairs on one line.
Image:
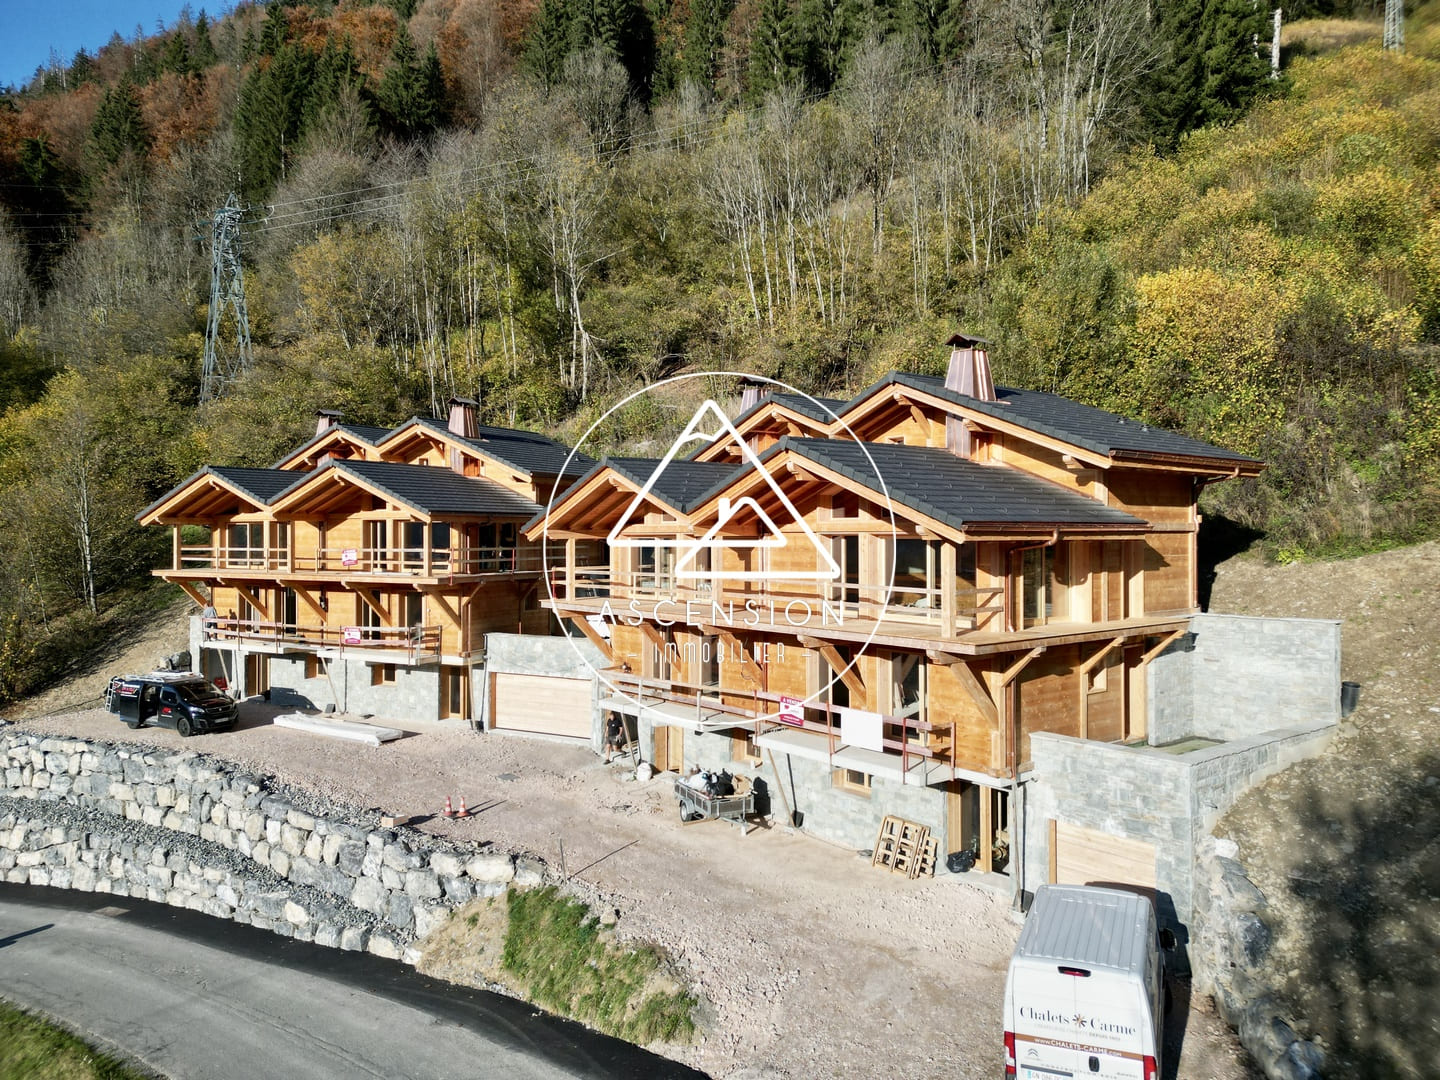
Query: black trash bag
[[958, 862]]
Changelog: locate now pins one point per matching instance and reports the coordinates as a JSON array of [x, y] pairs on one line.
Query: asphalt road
[[186, 995]]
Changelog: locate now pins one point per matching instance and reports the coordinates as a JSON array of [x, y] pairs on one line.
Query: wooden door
[[669, 753]]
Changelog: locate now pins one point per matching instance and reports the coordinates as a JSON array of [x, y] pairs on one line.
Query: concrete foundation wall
[[414, 695], [1233, 677]]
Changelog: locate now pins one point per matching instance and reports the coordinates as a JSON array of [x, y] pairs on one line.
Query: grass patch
[[566, 962], [33, 1049]]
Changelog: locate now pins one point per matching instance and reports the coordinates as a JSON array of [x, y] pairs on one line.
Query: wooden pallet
[[904, 847]]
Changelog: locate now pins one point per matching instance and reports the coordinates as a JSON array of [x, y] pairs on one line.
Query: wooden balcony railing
[[908, 739], [391, 560], [407, 644], [907, 605]]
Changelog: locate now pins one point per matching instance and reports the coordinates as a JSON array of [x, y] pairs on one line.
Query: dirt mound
[[1346, 847]]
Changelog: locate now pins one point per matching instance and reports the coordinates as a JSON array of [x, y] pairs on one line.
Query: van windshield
[[198, 693]]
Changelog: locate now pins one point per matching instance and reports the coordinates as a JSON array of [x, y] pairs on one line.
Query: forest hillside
[[548, 206]]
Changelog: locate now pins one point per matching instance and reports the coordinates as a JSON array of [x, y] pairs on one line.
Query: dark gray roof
[[366, 433], [259, 485], [433, 490], [953, 491], [1080, 425], [526, 451], [824, 409], [683, 483], [262, 485]]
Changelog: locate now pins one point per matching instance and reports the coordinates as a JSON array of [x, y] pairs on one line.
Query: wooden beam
[[372, 601], [194, 593], [1157, 649], [597, 639], [304, 594], [253, 601], [1019, 665], [748, 667], [653, 636], [442, 602], [1100, 654], [848, 673], [976, 689]]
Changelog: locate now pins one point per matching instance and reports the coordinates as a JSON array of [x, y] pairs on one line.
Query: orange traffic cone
[[464, 810], [449, 811]]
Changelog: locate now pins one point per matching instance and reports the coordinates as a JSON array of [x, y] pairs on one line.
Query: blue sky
[[29, 28]]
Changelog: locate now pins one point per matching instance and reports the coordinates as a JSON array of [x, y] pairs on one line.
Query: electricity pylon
[[227, 289]]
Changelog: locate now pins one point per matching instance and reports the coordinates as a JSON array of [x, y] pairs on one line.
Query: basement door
[[1081, 856], [540, 705]]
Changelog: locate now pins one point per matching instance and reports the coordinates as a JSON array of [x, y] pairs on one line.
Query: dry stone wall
[[192, 831], [1230, 954]]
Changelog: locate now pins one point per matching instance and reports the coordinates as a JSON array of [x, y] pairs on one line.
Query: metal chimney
[[968, 374], [462, 416]]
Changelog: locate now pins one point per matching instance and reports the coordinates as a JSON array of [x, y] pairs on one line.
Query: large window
[[247, 545], [908, 685]]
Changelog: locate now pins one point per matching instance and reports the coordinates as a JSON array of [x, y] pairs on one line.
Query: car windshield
[[197, 692]]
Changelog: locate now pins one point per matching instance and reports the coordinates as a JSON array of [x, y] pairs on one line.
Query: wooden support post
[[175, 557], [972, 685], [570, 551], [987, 831], [1158, 648], [304, 594], [784, 800], [1014, 669], [947, 589]]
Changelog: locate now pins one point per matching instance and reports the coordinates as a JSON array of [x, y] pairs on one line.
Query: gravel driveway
[[809, 962]]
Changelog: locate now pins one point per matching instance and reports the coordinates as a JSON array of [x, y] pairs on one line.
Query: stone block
[[529, 872], [446, 865], [422, 885], [428, 917], [383, 946], [401, 911], [369, 895], [295, 914], [353, 938], [350, 858], [491, 869], [314, 847]]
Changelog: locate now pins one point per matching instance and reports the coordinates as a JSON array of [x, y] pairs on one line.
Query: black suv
[[184, 701]]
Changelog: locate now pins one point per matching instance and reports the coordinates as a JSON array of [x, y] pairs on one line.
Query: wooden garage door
[[1081, 856], [540, 704]]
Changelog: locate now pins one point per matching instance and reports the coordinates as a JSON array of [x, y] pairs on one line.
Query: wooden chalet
[[366, 567], [894, 592]]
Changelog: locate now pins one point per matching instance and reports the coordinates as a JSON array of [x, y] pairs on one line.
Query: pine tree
[[548, 42], [705, 40], [411, 96], [1212, 69], [118, 127], [276, 30], [827, 31], [205, 55], [176, 56], [269, 117], [774, 52]]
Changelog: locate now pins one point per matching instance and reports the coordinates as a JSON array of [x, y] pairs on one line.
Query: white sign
[[349, 557], [350, 635], [792, 711], [862, 729]]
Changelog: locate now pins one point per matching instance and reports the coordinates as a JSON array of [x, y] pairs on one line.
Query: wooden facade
[[361, 547], [964, 626]]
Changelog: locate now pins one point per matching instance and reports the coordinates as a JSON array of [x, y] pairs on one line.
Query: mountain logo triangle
[[792, 527]]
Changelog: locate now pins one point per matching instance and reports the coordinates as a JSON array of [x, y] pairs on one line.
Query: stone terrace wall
[[1233, 677], [195, 832]]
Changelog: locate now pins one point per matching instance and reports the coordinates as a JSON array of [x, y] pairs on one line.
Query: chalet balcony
[[390, 644], [392, 561], [908, 611]]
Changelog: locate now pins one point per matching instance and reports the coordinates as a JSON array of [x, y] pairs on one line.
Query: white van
[[1085, 995]]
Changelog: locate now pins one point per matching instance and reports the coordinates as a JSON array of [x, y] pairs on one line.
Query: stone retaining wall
[[1230, 958], [192, 831]]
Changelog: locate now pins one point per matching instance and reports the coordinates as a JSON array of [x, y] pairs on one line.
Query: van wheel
[[182, 725], [132, 724]]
